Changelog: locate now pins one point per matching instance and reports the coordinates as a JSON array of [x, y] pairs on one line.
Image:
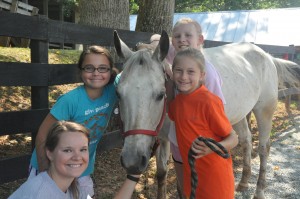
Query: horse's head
[[142, 93]]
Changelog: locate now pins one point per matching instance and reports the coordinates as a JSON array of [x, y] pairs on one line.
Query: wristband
[[132, 178]]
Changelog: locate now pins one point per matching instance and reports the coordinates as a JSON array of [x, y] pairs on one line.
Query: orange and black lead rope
[[223, 153]]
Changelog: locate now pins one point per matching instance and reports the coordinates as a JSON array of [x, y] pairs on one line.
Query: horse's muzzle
[[134, 163]]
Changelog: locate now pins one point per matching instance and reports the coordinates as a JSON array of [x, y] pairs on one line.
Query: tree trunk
[[155, 16], [105, 13]]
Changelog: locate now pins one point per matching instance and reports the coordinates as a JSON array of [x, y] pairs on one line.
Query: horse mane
[[288, 73], [140, 60]]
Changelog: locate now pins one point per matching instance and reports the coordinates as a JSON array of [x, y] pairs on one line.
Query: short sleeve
[[217, 119], [64, 108], [117, 79]]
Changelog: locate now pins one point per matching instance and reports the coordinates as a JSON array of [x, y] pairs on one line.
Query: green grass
[[23, 55], [294, 104]]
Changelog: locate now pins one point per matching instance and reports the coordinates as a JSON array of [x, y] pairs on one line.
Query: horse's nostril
[[144, 161]]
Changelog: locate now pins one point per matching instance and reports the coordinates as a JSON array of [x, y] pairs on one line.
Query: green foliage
[[133, 7], [69, 6], [203, 5], [219, 5], [294, 104]]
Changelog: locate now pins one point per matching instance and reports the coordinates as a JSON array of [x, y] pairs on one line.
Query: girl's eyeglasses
[[91, 69]]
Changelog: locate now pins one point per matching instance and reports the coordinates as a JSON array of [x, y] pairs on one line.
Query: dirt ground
[[109, 174]]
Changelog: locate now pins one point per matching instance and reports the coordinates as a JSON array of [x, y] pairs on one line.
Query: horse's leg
[[264, 122], [246, 143], [253, 152], [298, 102], [249, 120], [162, 157]]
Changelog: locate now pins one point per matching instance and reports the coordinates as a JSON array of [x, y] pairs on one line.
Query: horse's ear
[[162, 49], [122, 49]]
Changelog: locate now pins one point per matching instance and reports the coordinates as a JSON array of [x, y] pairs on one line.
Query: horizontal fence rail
[[37, 74], [21, 121], [268, 48], [288, 91], [44, 29]]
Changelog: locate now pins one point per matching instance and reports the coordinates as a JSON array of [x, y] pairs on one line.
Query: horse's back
[[248, 75]]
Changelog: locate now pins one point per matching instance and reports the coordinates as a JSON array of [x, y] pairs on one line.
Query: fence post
[[291, 54], [25, 42], [61, 18], [39, 94]]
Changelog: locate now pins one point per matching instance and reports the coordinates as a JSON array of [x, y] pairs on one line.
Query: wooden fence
[[39, 74]]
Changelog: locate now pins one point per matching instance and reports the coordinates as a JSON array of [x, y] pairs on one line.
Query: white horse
[[142, 99], [250, 82]]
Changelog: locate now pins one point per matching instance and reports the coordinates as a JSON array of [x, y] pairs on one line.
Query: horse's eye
[[160, 96]]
